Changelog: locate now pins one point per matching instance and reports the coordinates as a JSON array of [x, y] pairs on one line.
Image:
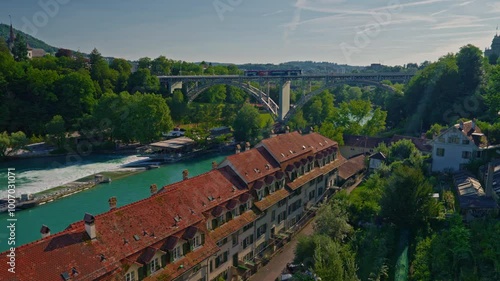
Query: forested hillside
[[32, 41]]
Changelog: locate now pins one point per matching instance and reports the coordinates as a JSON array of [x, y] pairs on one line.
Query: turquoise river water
[[36, 174]]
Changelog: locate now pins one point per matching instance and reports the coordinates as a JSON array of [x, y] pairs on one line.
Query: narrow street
[[274, 268]]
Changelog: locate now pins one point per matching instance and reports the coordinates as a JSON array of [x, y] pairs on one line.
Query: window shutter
[[202, 238], [164, 260], [148, 269], [170, 256], [141, 274], [185, 249]]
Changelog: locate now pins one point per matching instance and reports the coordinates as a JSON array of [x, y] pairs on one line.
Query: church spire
[[12, 36]]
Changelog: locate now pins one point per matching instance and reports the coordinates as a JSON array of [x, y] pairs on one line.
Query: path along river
[[34, 175]]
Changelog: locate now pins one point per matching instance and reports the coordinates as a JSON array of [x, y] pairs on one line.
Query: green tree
[[20, 49], [142, 81], [434, 131], [246, 124], [124, 69], [297, 121], [470, 68], [57, 129], [76, 95], [333, 221], [330, 131], [406, 201], [10, 144], [144, 63]]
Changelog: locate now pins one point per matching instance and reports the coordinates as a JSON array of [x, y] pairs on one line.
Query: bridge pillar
[[171, 87], [284, 105]]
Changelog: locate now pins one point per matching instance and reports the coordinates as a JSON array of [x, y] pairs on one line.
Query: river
[[59, 214]]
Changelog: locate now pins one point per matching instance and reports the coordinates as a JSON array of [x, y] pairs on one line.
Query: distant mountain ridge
[[32, 41]]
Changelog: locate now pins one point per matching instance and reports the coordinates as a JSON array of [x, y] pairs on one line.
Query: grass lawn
[[264, 117]]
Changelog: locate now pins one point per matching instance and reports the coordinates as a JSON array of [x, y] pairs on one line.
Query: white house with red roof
[[457, 146]]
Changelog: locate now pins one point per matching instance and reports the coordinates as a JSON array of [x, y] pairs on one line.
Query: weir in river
[[59, 214]]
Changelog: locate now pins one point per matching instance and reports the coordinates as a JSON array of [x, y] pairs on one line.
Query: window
[[311, 194], [221, 259], [465, 141], [248, 257], [222, 242], [273, 215], [260, 194], [454, 139], [234, 237], [154, 265], [440, 152], [261, 230], [282, 203], [229, 216], [466, 154], [197, 242], [176, 253], [441, 139], [130, 276], [281, 217], [478, 154], [247, 227], [248, 241]]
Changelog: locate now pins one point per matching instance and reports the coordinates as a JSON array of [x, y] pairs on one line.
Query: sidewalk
[[274, 268]]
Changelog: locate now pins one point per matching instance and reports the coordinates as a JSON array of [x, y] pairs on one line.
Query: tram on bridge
[[294, 72]]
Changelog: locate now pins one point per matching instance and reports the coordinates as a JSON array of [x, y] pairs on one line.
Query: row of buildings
[[223, 223]]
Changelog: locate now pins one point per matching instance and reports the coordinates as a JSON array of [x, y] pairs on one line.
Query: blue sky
[[357, 32]]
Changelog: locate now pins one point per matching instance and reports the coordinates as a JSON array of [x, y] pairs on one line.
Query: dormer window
[[198, 241], [130, 276], [177, 253], [154, 265]]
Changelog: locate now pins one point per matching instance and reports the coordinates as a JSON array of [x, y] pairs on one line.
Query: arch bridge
[[193, 86]]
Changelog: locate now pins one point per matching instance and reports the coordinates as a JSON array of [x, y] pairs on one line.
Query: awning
[[190, 233], [217, 211], [231, 204], [258, 185], [269, 179], [244, 197]]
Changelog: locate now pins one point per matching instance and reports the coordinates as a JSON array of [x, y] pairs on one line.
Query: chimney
[[311, 130], [153, 188], [45, 231], [489, 180], [247, 146], [185, 174], [112, 203], [238, 148], [214, 165], [90, 225], [461, 126], [287, 129], [473, 124]]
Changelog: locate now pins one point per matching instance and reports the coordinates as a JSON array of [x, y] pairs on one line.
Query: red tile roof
[[287, 146], [473, 133], [156, 215], [363, 141], [352, 167], [271, 199], [253, 164], [319, 142], [316, 172], [233, 225]]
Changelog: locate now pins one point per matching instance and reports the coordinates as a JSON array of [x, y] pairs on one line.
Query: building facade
[[457, 146], [223, 223]]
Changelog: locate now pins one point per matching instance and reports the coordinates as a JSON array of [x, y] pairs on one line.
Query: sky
[[355, 32]]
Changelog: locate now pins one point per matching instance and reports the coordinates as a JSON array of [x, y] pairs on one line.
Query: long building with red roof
[[218, 224]]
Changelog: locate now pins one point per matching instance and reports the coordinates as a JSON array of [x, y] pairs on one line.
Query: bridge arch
[[305, 99], [261, 96]]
